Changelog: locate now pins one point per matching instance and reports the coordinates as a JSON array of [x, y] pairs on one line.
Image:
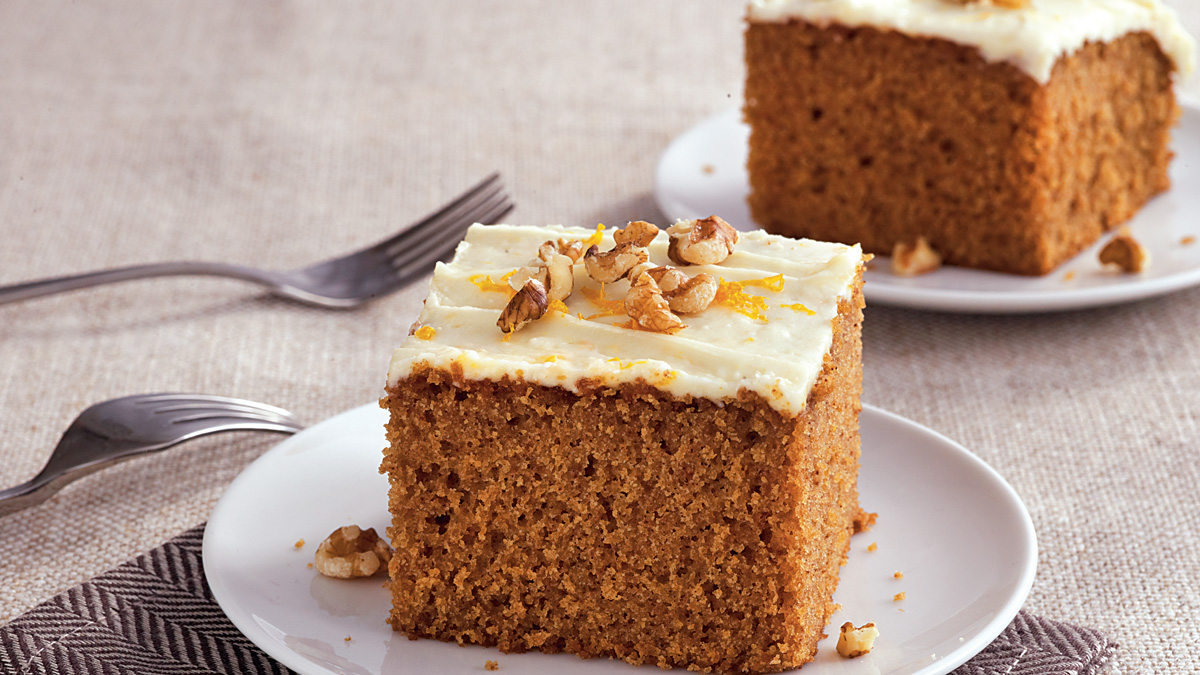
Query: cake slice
[[673, 491], [1008, 134]]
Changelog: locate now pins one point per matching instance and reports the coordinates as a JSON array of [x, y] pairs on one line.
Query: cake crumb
[[1125, 252], [898, 575], [1069, 275], [491, 665], [299, 544], [854, 642], [348, 638], [872, 547], [1188, 240], [910, 259], [899, 596], [708, 169], [310, 566]]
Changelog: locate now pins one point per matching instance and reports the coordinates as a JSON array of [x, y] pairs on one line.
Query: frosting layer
[[770, 339], [1032, 38]]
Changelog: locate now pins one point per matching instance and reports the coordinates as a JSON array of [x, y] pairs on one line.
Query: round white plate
[[703, 172], [956, 531]]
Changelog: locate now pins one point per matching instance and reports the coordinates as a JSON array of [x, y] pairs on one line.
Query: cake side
[[624, 521], [869, 135]]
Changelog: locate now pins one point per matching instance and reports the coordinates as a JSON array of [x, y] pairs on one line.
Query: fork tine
[[485, 189], [435, 244], [209, 406]]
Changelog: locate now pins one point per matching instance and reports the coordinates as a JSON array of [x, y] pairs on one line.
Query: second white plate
[[703, 172], [956, 531]]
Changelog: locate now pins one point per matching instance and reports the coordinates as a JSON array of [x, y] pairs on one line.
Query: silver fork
[[122, 428], [342, 282]]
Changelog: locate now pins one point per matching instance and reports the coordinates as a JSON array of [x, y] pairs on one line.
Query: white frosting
[[1032, 38], [720, 352]]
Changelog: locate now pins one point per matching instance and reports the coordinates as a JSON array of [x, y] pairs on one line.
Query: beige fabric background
[[278, 133]]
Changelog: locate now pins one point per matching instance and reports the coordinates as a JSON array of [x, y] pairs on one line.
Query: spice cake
[[661, 470], [1009, 134]]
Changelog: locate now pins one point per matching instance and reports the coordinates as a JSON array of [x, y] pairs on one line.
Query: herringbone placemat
[[155, 614]]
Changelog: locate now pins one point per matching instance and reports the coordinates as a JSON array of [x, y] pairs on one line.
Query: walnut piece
[[612, 265], [350, 552], [1125, 252], [572, 248], [693, 295], [707, 241], [910, 259], [637, 232], [529, 304], [645, 304], [854, 642]]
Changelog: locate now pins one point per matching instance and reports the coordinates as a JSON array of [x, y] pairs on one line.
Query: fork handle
[[37, 289]]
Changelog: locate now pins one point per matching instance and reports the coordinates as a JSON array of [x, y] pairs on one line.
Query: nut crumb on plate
[[1125, 252], [491, 665], [350, 552], [914, 258], [854, 642]]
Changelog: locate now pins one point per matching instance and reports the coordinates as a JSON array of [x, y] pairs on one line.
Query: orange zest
[[484, 283], [426, 332], [594, 238], [607, 307], [799, 308]]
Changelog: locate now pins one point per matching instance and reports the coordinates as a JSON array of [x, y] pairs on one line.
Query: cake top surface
[[767, 332], [1032, 36]]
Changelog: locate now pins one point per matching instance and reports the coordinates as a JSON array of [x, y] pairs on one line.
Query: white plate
[[703, 172], [958, 533]]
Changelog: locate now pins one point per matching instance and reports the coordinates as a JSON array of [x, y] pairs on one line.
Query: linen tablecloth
[[275, 134]]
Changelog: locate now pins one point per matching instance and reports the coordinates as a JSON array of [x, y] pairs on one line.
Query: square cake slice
[[672, 491], [1008, 134]]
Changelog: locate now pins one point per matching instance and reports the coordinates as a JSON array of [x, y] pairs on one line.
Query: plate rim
[[984, 636], [948, 299]]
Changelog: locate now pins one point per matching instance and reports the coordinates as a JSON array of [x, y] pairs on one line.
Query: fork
[[343, 282], [123, 428]]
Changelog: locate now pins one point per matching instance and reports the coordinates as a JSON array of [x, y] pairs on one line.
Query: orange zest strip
[[594, 239], [484, 283], [799, 308]]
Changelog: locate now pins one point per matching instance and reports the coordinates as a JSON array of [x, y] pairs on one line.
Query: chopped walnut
[[351, 552], [854, 642], [572, 248], [638, 233], [612, 265], [707, 241], [910, 259], [529, 304], [645, 304], [1125, 252], [693, 295]]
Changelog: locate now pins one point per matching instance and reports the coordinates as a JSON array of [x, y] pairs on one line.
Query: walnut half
[[529, 304], [707, 241], [645, 304]]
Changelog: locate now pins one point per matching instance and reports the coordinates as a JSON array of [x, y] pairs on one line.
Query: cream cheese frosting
[[776, 348], [1032, 38]]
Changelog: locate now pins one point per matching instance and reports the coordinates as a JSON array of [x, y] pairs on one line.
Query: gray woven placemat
[[155, 614]]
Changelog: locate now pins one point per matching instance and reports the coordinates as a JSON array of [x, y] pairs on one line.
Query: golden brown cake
[[682, 497], [1009, 137]]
